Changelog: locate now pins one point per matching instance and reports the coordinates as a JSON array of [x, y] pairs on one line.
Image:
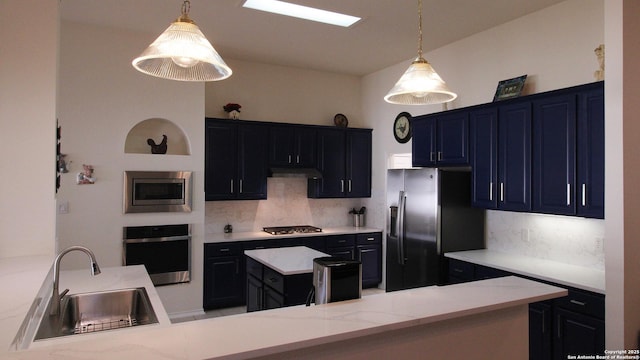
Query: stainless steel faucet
[[56, 296]]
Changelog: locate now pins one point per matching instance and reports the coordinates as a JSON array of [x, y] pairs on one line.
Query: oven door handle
[[158, 239]]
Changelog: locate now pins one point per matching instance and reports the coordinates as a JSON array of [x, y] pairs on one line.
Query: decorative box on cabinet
[[441, 139], [235, 160], [344, 159]]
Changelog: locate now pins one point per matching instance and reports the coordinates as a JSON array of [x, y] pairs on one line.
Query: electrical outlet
[[599, 244], [63, 207]]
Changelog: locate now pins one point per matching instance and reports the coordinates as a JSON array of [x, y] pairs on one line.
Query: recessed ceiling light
[[302, 12]]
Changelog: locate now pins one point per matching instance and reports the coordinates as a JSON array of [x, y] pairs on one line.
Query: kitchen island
[[483, 319], [279, 277]]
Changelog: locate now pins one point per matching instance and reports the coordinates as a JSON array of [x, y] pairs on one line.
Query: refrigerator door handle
[[400, 226]]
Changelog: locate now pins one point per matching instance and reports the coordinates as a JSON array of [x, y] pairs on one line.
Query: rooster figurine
[[159, 148]]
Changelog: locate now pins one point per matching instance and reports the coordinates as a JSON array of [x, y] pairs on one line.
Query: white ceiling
[[386, 35]]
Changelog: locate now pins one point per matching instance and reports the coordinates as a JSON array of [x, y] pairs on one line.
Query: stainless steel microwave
[[157, 191]]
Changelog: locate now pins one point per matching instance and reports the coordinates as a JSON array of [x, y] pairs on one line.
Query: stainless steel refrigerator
[[429, 213]]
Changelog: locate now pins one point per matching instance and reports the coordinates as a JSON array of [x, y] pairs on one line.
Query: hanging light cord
[[186, 7], [420, 29]]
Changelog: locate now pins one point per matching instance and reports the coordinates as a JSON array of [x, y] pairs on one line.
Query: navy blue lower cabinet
[[571, 325], [577, 334], [540, 331]]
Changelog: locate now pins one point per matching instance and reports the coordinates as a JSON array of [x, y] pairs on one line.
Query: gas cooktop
[[283, 230]]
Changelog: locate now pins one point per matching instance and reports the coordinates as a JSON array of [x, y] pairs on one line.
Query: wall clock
[[402, 127]]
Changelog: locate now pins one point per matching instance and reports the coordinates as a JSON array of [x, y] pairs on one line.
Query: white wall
[[102, 97], [623, 173], [555, 47], [285, 94], [27, 126]]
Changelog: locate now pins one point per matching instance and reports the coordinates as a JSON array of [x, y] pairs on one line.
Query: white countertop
[[273, 331], [28, 280], [579, 277], [261, 235], [287, 260]]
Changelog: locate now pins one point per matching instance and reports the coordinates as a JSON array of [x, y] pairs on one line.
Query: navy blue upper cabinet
[[441, 139], [569, 153], [540, 153], [554, 154], [514, 157], [483, 155], [235, 160], [292, 146], [500, 151], [590, 156], [344, 159]]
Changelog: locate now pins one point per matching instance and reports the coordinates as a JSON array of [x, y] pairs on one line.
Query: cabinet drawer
[[254, 268], [340, 241], [484, 272], [273, 279], [461, 270], [373, 238], [583, 302], [222, 249]]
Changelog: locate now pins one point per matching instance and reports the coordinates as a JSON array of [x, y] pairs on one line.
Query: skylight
[[302, 12]]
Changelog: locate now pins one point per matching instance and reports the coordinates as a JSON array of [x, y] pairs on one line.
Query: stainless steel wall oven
[[164, 250]]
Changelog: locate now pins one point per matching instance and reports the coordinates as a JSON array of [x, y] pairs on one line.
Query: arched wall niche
[[137, 138]]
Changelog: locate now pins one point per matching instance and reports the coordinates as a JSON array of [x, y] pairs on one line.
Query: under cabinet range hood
[[309, 173]]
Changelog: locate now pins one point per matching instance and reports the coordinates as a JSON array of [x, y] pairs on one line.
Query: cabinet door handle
[[502, 192], [232, 186], [341, 186], [289, 159], [349, 185], [432, 156], [439, 155], [584, 194], [240, 186], [224, 250], [576, 302], [371, 239], [491, 191], [568, 194]]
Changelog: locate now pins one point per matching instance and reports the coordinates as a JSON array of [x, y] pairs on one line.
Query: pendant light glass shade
[[420, 84], [182, 53]]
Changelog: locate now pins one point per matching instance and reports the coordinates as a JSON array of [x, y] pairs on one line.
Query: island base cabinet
[[540, 331], [268, 289]]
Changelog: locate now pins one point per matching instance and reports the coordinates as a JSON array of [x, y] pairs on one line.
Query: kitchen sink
[[98, 311]]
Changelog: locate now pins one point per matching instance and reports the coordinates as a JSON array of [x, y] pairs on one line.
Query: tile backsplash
[[571, 240], [286, 204]]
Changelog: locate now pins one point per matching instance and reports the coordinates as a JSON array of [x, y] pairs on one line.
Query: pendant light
[[420, 84], [182, 53]]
